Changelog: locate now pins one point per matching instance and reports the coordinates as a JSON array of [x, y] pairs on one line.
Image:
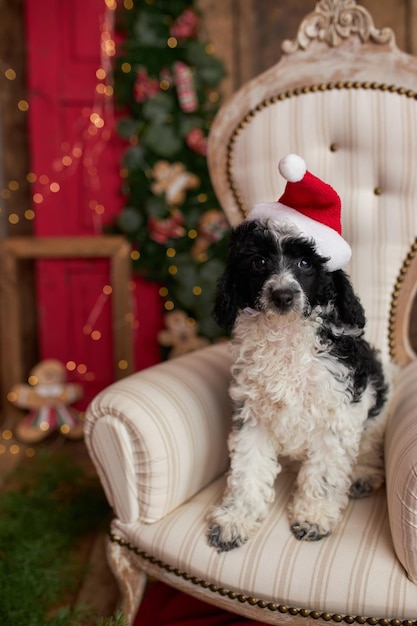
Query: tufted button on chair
[[345, 98]]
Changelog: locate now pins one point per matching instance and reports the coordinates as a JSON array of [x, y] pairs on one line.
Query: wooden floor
[[98, 589]]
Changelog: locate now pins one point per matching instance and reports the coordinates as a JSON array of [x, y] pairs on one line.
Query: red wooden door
[[75, 158]]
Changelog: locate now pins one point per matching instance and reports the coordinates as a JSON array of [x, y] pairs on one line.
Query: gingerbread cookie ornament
[[47, 396]]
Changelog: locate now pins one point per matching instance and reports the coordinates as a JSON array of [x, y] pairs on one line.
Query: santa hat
[[313, 207]]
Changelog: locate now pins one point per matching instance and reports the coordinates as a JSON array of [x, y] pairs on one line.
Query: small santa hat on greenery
[[313, 207]]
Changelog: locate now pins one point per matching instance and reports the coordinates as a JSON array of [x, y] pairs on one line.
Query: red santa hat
[[313, 207]]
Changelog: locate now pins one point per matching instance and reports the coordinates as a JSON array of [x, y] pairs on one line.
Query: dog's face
[[274, 268]]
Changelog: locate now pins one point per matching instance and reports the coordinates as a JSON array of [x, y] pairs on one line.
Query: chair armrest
[[160, 435], [401, 468]]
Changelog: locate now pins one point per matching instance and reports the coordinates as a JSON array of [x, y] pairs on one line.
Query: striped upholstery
[[401, 470], [359, 141], [353, 572], [163, 433]]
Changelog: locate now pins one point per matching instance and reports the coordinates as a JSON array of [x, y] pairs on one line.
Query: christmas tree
[[166, 82]]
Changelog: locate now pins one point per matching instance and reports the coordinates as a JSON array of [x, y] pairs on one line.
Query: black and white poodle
[[306, 385]]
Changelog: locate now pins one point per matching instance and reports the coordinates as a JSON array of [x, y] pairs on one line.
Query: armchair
[[345, 97]]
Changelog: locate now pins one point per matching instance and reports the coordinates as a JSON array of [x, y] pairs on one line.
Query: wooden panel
[[78, 305], [247, 34]]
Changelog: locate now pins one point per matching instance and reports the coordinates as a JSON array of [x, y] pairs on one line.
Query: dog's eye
[[259, 263], [304, 264]]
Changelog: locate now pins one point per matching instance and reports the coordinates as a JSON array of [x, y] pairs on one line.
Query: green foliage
[[48, 505], [159, 56]]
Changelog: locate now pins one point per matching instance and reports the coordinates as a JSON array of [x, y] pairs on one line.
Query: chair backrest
[[344, 97]]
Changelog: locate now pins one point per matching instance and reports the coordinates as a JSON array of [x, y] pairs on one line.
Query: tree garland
[[166, 84]]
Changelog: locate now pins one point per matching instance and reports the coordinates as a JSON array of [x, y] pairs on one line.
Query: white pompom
[[292, 167]]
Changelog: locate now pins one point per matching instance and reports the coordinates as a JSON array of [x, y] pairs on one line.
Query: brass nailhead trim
[[394, 302], [333, 148], [261, 604]]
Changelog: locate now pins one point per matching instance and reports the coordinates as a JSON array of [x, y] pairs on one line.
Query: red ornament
[[185, 26], [145, 87], [197, 141], [185, 87], [172, 227]]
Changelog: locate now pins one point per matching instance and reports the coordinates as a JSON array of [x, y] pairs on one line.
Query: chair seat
[[341, 577]]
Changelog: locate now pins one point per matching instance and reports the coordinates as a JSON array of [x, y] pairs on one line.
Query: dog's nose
[[282, 298]]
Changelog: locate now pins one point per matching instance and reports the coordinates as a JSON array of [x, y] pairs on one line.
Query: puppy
[[305, 385]]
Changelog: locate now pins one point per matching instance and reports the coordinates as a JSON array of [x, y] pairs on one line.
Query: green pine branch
[[160, 125]]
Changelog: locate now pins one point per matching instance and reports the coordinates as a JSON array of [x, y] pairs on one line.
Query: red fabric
[[164, 606], [315, 199]]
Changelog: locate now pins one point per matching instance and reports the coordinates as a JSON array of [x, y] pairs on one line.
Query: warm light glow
[[37, 198], [193, 234], [10, 74], [29, 214], [172, 42], [22, 105], [31, 177], [81, 368], [64, 429], [33, 380], [13, 185], [197, 290], [126, 68], [123, 364], [169, 305], [107, 290], [172, 269], [163, 292], [44, 426], [66, 160], [14, 449], [101, 74], [7, 434], [135, 255], [44, 179], [95, 335], [14, 218], [171, 252], [54, 187], [77, 152], [70, 365]]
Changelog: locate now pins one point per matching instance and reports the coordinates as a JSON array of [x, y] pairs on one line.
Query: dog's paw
[[307, 531], [224, 541], [363, 486], [229, 528]]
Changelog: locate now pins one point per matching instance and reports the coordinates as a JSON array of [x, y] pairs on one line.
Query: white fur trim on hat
[[292, 167], [327, 241]]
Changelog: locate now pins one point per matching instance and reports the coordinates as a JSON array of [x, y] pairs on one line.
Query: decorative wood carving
[[334, 21]]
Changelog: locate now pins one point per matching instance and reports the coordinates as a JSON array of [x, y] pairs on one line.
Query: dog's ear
[[226, 303], [347, 303]]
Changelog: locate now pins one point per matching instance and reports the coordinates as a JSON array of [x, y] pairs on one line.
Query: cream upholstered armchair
[[345, 98]]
